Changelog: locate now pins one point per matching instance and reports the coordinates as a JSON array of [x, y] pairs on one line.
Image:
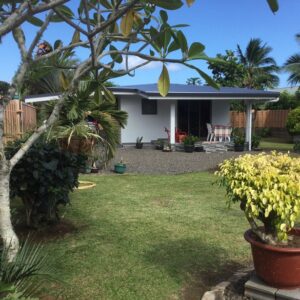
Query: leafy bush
[[43, 179], [255, 141], [190, 140], [267, 188], [293, 121], [297, 147], [263, 132]]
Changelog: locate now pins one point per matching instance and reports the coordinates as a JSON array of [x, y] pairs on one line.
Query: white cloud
[[135, 61]]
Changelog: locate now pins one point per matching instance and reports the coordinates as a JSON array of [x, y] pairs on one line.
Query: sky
[[218, 24]]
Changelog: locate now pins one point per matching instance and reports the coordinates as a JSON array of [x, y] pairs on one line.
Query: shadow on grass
[[199, 264]]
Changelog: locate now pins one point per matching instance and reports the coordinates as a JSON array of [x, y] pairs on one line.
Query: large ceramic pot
[[120, 168], [189, 148], [239, 148], [277, 266]]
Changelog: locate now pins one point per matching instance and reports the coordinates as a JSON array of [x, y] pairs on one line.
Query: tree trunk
[[10, 239]]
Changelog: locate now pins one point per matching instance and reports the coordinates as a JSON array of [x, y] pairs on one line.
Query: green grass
[[149, 237], [275, 144]]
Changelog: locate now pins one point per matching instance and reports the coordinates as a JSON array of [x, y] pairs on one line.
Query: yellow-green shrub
[[268, 189]]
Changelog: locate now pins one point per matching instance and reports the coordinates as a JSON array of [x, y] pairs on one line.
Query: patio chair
[[179, 135], [210, 132]]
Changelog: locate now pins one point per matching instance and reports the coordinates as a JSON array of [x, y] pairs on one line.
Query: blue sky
[[218, 24]]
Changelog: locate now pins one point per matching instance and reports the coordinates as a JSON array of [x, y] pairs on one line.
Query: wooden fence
[[19, 117], [261, 119]]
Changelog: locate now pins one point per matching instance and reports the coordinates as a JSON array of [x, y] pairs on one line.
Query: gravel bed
[[151, 161]]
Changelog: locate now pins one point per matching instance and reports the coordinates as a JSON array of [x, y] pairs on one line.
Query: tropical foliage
[[267, 188], [43, 179], [90, 113], [293, 121], [292, 65], [252, 68], [227, 69], [260, 68], [26, 275], [286, 101]]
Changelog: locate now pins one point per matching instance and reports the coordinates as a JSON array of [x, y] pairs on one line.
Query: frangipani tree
[[112, 31]]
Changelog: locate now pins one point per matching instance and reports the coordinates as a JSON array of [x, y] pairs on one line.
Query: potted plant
[[293, 124], [189, 143], [238, 141], [159, 144], [267, 188], [120, 167], [139, 144]]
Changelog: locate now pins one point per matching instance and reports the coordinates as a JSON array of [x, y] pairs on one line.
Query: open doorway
[[192, 116]]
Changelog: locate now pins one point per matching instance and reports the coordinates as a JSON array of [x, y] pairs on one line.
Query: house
[[187, 107]]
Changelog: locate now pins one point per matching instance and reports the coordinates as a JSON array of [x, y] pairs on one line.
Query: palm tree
[[259, 66], [193, 81], [91, 112], [292, 65]]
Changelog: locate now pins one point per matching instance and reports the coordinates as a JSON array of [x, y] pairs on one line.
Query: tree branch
[[20, 15], [39, 34], [114, 18]]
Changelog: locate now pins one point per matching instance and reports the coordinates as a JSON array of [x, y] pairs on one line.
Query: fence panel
[[18, 118], [261, 118]]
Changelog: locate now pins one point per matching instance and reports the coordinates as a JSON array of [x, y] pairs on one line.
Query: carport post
[[249, 124], [172, 122]]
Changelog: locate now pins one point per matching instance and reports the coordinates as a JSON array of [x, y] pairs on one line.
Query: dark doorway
[[192, 116]]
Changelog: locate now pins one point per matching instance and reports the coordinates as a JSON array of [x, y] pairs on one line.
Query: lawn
[[276, 144], [148, 237]]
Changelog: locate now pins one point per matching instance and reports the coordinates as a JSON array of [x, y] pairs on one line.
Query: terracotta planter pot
[[78, 145], [278, 267]]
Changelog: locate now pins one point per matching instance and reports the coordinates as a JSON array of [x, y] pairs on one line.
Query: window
[[149, 107]]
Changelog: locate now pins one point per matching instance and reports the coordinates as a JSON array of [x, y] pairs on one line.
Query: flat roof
[[195, 91], [181, 92]]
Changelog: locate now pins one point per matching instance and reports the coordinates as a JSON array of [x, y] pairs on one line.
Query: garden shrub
[[293, 121], [255, 141], [297, 147], [43, 179]]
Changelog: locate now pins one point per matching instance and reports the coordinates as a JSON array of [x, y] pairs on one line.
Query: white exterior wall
[[151, 127], [220, 112]]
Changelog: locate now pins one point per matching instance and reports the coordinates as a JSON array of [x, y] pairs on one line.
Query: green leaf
[[164, 82], [108, 94], [116, 57], [182, 41], [106, 4], [66, 11], [127, 23], [152, 52], [173, 47], [155, 38], [76, 37], [196, 51], [167, 38], [190, 2], [273, 5], [64, 81], [167, 4], [35, 21], [206, 77], [57, 44], [163, 16]]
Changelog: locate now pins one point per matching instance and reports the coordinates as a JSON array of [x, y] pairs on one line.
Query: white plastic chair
[[210, 133]]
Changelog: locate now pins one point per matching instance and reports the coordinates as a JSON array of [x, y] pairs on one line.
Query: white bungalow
[[187, 107]]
